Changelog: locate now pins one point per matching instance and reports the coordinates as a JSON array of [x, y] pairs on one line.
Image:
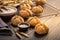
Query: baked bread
[[13, 3], [25, 6], [41, 29], [29, 2], [40, 2], [17, 20], [25, 13], [33, 21], [37, 9]]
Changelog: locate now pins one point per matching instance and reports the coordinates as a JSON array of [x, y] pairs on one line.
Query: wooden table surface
[[54, 3], [51, 18]]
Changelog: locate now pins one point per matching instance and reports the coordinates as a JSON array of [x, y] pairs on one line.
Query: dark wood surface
[[50, 19]]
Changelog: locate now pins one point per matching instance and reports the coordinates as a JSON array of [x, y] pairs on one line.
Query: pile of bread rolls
[[26, 11], [39, 27]]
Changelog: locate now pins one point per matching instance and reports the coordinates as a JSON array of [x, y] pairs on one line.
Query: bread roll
[[33, 21], [29, 2], [25, 6], [40, 2], [25, 13], [37, 9], [41, 29], [17, 20]]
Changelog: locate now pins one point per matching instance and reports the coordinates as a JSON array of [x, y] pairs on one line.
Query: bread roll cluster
[[26, 11], [39, 27], [27, 4]]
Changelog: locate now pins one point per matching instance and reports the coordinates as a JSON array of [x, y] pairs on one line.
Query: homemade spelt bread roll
[[37, 9], [41, 29], [33, 21], [29, 2], [17, 20], [25, 6], [25, 13], [40, 2]]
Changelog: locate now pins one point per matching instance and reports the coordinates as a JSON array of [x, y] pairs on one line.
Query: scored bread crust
[[33, 20], [25, 13], [29, 19], [40, 2], [41, 28], [16, 18], [30, 12], [37, 9], [25, 6]]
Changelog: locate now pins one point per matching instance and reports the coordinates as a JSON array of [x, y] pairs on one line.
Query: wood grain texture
[[54, 3], [48, 10]]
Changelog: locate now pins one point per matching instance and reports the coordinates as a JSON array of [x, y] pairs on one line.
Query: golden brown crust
[[29, 11], [40, 2], [17, 20], [33, 21], [29, 19], [25, 13], [37, 19], [41, 28], [11, 3], [29, 2], [37, 9], [25, 6]]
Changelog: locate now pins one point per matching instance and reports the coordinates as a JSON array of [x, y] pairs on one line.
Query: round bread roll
[[29, 2], [41, 29], [33, 21], [37, 9], [40, 2], [17, 20], [25, 13], [25, 6]]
